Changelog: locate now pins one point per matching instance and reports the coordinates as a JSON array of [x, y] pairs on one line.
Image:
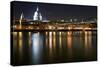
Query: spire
[[37, 9], [21, 17]]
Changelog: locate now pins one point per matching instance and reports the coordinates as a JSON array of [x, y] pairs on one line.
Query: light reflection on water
[[69, 44], [88, 43], [30, 39], [20, 44], [49, 47], [54, 41], [36, 47]]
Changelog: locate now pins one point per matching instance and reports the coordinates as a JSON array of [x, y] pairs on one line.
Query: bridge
[[52, 26]]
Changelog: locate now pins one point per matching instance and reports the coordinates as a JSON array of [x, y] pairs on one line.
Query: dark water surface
[[53, 47]]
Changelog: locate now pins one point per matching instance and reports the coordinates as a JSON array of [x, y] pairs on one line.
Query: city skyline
[[54, 11], [45, 33]]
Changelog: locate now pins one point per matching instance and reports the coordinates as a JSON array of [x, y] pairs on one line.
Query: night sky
[[53, 11]]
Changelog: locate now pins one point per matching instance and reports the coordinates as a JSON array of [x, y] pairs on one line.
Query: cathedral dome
[[37, 15]]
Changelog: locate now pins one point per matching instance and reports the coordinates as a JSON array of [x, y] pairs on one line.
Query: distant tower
[[37, 15], [21, 18]]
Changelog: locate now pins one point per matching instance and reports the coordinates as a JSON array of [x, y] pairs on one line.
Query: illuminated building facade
[[37, 15]]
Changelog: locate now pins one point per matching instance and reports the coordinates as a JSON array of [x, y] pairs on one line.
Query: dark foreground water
[[53, 47]]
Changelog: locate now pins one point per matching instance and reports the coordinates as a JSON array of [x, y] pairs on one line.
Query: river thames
[[53, 47]]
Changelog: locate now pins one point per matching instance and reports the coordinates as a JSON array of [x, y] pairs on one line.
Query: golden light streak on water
[[14, 33], [46, 33], [88, 42], [20, 45], [50, 44], [90, 38], [69, 39], [54, 33], [14, 39], [46, 39], [30, 39], [69, 44], [80, 32], [29, 33], [86, 39], [54, 40], [60, 40], [60, 43], [20, 39], [50, 39]]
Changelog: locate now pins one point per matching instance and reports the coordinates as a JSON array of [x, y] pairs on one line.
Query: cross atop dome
[[37, 9]]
